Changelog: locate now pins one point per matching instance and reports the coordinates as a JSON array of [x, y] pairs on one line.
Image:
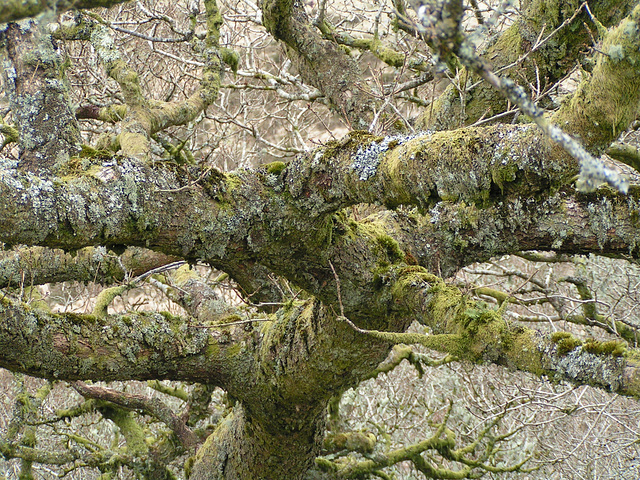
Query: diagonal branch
[[320, 62], [147, 405]]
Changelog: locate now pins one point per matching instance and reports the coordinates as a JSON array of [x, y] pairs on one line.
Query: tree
[[336, 250]]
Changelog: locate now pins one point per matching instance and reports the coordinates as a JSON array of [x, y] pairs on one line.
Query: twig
[[335, 275], [239, 322]]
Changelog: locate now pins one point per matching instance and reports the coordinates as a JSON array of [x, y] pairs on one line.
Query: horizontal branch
[[453, 235], [482, 192], [13, 10], [472, 331], [138, 346], [474, 165], [37, 265]]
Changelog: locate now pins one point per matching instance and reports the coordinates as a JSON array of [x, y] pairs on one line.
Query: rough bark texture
[[33, 77], [14, 10], [321, 62]]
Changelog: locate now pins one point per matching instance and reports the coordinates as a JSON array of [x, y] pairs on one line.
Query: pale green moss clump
[[565, 342]]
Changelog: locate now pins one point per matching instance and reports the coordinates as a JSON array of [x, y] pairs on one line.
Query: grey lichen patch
[[102, 41], [48, 129], [166, 335], [9, 72], [615, 52], [588, 368], [601, 219], [515, 149], [366, 160]]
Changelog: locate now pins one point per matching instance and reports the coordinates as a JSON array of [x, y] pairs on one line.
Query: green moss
[[231, 58], [212, 350], [390, 247], [362, 442], [608, 99], [230, 319], [524, 351], [558, 336], [613, 348], [233, 350], [565, 342], [89, 152], [503, 174], [130, 429], [105, 298], [188, 466], [275, 168], [218, 185], [169, 317]]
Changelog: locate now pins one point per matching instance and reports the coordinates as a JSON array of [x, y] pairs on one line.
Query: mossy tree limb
[[606, 102], [15, 10], [514, 49], [139, 205], [39, 265], [479, 334]]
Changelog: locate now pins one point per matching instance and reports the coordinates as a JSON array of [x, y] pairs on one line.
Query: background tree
[[310, 190]]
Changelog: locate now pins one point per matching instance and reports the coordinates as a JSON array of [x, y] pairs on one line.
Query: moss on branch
[[479, 334], [605, 103], [520, 51]]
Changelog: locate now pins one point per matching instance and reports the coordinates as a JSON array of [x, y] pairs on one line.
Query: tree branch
[[133, 346], [38, 265], [13, 10], [149, 406]]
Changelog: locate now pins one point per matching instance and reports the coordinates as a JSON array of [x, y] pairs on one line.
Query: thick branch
[[471, 331], [13, 10], [134, 346], [286, 223], [607, 101], [451, 235], [38, 97], [37, 265]]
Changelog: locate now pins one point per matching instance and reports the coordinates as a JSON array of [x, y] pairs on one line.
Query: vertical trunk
[[244, 449], [33, 79]]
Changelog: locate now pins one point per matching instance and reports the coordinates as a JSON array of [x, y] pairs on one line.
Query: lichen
[[366, 160]]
